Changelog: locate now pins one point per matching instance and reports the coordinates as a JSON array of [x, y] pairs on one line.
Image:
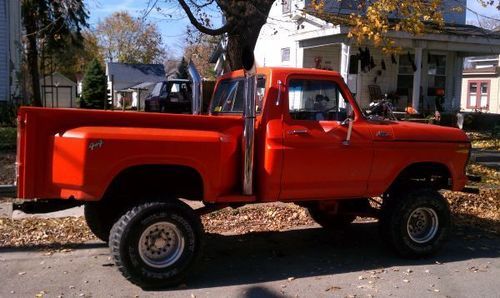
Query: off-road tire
[[99, 219], [395, 222], [128, 230], [330, 221]]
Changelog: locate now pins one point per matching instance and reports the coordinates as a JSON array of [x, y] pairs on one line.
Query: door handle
[[298, 132], [383, 134]]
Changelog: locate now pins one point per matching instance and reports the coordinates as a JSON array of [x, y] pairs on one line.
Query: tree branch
[[199, 26]]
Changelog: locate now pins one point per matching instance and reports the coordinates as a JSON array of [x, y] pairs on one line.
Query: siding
[[450, 14], [387, 80], [329, 55], [4, 51]]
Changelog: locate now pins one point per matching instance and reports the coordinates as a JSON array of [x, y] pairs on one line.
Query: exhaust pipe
[[248, 142], [197, 89]]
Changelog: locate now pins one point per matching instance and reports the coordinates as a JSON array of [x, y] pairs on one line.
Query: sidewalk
[[489, 158]]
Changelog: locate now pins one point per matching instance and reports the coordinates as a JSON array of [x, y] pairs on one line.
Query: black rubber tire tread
[[330, 221], [126, 229], [99, 220], [394, 217]]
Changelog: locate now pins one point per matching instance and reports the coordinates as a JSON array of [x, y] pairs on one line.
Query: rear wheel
[[99, 219], [156, 244], [417, 224]]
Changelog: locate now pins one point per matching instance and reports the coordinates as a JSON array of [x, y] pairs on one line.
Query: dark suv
[[172, 96]]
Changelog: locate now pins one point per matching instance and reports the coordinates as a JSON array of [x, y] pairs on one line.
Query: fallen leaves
[[484, 141], [488, 175], [479, 210], [44, 232], [256, 218]]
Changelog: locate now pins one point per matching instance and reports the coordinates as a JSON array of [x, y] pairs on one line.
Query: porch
[[426, 74]]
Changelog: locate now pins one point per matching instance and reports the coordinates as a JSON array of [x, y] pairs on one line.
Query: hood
[[427, 132]]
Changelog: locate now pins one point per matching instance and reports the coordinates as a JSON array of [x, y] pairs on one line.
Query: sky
[[173, 26]]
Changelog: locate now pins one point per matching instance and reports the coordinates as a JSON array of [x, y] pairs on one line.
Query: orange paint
[[66, 153]]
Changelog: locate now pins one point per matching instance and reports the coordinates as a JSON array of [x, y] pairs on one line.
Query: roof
[[482, 71], [267, 71], [128, 75], [448, 28], [143, 86], [57, 79]]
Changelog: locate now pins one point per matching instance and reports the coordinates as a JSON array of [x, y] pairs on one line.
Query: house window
[[286, 6], [285, 54], [436, 74], [478, 97], [405, 75]]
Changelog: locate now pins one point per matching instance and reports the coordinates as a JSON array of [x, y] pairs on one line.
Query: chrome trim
[[197, 89], [278, 100], [248, 142]]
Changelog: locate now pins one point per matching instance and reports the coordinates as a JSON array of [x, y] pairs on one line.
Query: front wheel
[[417, 224], [156, 244]]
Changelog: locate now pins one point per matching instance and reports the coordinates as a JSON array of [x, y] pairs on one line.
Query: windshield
[[156, 90], [230, 95]]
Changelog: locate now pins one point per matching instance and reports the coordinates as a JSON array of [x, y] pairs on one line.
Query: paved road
[[306, 262]]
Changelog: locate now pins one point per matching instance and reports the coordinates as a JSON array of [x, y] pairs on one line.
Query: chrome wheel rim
[[161, 245], [422, 225]]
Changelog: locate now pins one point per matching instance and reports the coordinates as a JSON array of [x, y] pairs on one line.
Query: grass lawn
[[8, 137]]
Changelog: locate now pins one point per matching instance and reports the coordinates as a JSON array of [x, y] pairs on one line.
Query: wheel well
[[156, 181], [425, 174]]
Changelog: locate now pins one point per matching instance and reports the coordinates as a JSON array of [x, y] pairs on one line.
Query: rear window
[[229, 96]]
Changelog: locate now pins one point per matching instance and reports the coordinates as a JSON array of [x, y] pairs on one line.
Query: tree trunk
[[247, 30], [32, 55]]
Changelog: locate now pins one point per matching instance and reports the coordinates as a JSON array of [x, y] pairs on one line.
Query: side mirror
[[348, 122]]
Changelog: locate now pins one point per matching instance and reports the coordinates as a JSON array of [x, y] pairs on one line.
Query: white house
[[429, 65], [130, 83], [10, 48], [481, 84]]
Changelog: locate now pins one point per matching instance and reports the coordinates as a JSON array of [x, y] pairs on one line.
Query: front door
[[318, 163]]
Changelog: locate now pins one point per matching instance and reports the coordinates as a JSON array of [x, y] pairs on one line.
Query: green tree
[[199, 49], [182, 69], [94, 86], [126, 39], [73, 60], [51, 25]]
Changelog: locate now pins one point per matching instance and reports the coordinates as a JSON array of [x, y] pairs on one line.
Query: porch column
[[417, 79], [457, 83], [299, 56], [344, 60]]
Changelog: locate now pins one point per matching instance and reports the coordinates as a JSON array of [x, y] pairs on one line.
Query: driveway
[[308, 262]]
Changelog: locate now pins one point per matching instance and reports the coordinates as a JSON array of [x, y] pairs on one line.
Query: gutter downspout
[[197, 90], [248, 142]]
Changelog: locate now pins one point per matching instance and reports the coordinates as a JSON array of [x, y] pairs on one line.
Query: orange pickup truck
[[274, 134]]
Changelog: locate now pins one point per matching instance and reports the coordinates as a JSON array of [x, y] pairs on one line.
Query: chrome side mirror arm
[[348, 122]]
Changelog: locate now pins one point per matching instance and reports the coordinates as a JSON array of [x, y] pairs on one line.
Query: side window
[[163, 91], [230, 95], [317, 100]]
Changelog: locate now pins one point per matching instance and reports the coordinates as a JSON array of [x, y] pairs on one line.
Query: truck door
[[317, 161]]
